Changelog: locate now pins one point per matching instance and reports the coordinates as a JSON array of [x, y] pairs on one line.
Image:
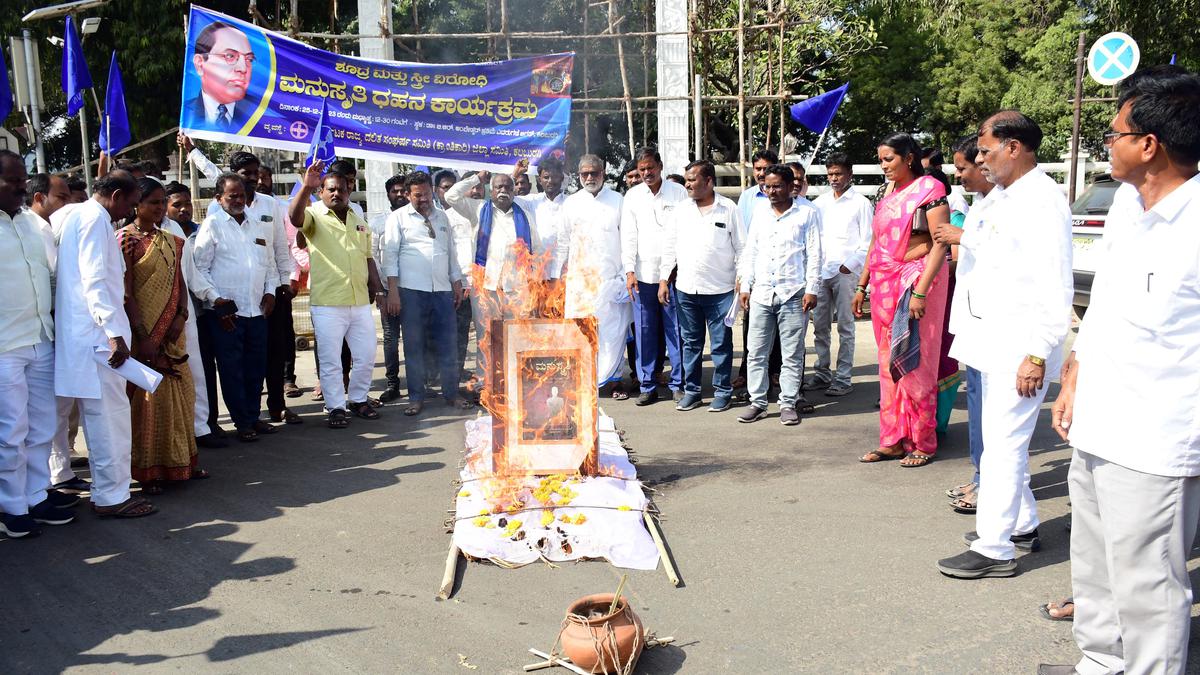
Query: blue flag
[[321, 147], [114, 132], [75, 76], [817, 112], [1172, 59], [6, 99]]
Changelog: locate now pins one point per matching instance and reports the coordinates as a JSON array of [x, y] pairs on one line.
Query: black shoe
[[218, 431], [211, 441], [1028, 542], [390, 394], [62, 500], [76, 484], [647, 397], [49, 514], [79, 462], [972, 565], [19, 526]]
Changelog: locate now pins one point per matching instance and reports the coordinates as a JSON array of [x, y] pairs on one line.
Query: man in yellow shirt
[[343, 281]]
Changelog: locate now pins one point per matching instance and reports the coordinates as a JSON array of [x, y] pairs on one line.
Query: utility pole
[[1075, 120], [31, 80]]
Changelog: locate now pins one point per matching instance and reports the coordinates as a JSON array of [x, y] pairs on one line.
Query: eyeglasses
[[1111, 136], [230, 57], [590, 173], [429, 226]]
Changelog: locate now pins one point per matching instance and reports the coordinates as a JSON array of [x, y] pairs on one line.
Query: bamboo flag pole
[[612, 27]]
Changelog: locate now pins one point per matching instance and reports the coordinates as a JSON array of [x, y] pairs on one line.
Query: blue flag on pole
[[114, 132], [321, 147], [817, 112], [1172, 59], [6, 99], [75, 76]]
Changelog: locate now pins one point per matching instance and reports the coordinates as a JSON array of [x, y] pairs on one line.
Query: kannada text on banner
[[242, 84]]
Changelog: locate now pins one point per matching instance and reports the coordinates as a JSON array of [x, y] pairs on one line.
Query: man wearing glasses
[[424, 287], [224, 62]]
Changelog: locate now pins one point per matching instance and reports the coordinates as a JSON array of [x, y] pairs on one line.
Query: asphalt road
[[321, 551]]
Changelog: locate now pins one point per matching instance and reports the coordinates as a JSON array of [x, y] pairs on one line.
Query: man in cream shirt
[[1020, 288], [1130, 402]]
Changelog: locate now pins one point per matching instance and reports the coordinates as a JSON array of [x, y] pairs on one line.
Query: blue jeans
[[436, 308], [242, 365], [391, 349], [696, 313], [655, 325], [790, 322], [975, 418]]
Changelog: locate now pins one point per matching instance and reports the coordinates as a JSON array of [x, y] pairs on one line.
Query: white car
[[1088, 215]]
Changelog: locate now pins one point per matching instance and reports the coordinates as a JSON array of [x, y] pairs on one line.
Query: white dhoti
[[106, 427], [200, 409], [610, 304]]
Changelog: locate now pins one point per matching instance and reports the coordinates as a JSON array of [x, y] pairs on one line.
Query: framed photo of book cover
[[545, 369]]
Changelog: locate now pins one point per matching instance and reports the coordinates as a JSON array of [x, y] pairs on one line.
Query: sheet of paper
[[141, 375]]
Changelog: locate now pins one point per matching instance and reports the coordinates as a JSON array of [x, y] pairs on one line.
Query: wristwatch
[[1036, 360]]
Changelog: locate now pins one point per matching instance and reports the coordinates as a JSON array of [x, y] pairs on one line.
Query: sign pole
[[87, 155], [1075, 120], [31, 80]]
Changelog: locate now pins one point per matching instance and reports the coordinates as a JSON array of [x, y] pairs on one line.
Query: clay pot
[[583, 637]]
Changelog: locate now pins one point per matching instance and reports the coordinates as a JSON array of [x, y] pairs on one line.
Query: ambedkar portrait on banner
[[222, 64]]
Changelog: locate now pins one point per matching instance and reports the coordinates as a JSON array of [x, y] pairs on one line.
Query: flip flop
[[337, 419], [247, 435], [414, 409], [200, 474], [134, 507], [364, 410], [914, 460], [877, 456], [1044, 610]]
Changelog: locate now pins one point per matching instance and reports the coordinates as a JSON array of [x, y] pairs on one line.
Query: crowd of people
[[100, 288]]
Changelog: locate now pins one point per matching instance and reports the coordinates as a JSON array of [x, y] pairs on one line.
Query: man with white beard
[[589, 246]]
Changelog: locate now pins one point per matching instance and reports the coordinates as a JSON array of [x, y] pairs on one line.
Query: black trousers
[[281, 351]]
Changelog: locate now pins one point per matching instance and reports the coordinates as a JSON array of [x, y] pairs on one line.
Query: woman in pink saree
[[908, 285]]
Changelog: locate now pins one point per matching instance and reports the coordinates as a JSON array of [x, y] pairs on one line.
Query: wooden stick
[[559, 662], [538, 666], [612, 23], [451, 569], [659, 641], [668, 564], [617, 596]]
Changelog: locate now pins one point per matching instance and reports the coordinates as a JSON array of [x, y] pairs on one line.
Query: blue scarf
[[905, 352], [520, 223]]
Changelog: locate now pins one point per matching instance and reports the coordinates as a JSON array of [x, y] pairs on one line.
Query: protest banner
[[246, 85]]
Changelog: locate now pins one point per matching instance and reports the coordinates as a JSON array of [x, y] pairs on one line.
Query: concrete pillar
[[672, 70], [375, 16]]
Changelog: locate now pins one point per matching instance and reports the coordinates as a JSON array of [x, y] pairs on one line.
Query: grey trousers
[[1131, 533], [834, 293]]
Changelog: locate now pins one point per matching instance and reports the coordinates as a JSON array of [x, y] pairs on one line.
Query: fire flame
[[510, 486]]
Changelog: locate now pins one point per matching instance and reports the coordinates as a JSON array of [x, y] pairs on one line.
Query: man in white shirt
[[390, 322], [27, 405], [464, 248], [92, 337], [424, 288], [704, 237], [964, 498], [779, 272], [588, 260], [239, 279], [645, 211], [46, 195], [846, 236], [1129, 402], [547, 204], [1020, 289], [265, 209], [500, 224]]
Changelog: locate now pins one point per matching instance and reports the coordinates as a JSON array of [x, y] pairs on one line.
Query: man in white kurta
[[1130, 402], [27, 407], [93, 334], [503, 277], [1020, 289], [590, 249]]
